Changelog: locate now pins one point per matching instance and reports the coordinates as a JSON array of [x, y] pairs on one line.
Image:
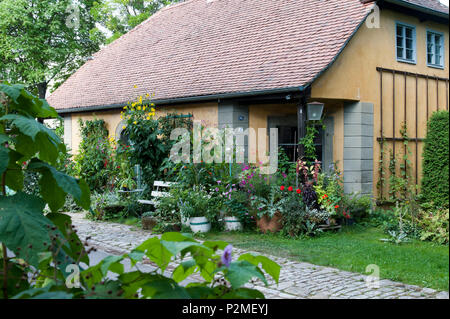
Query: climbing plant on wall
[[95, 160]]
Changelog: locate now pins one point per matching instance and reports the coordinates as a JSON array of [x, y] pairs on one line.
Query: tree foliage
[[45, 40], [435, 186], [120, 16]]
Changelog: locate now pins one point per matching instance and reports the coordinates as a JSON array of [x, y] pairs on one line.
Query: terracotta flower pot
[[148, 222], [273, 224]]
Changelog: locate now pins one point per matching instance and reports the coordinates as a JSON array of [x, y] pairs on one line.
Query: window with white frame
[[406, 43], [435, 49]]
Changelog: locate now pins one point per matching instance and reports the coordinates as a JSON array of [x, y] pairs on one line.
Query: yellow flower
[[152, 109], [135, 86], [125, 107], [147, 95], [135, 122], [153, 104], [133, 104], [140, 100], [138, 108], [144, 107], [123, 127]]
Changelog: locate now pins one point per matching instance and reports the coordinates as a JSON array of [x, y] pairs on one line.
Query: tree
[[45, 40], [120, 16]]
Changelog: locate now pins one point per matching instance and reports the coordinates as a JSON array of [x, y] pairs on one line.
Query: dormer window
[[435, 49], [406, 43]]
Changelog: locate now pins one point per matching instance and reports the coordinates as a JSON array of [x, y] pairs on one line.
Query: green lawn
[[352, 249]]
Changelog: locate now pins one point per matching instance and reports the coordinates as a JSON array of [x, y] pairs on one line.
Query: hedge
[[435, 160]]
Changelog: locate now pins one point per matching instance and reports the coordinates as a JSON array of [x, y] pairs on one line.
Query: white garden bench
[[160, 190]]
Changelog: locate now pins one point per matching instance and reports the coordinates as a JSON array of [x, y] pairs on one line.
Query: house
[[257, 63]]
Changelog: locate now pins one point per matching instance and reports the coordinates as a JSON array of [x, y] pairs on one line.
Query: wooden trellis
[[397, 82]]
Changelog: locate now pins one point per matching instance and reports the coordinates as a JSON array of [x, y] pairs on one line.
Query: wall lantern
[[314, 111]]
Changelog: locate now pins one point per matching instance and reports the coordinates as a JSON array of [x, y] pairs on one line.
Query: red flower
[[282, 188], [337, 206], [299, 191], [290, 188], [324, 196]]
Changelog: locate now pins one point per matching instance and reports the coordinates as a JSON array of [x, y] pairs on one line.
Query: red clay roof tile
[[201, 47]]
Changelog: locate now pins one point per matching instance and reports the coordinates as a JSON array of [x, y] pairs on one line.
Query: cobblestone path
[[298, 280]]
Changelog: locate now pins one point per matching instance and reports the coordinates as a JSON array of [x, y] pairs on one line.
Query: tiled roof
[[207, 47], [430, 4]]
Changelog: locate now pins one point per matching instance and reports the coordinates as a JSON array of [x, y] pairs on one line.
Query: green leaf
[[156, 252], [13, 91], [135, 257], [164, 288], [4, 159], [47, 142], [270, 267], [42, 293], [22, 224], [15, 282], [53, 295], [112, 263], [56, 196], [199, 292], [244, 293], [4, 138], [215, 245], [240, 272], [184, 270], [14, 174], [74, 247], [26, 103], [176, 247]]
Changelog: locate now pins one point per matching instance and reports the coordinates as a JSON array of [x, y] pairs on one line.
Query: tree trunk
[[42, 90]]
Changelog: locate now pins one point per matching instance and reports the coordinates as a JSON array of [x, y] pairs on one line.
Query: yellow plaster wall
[[207, 112], [111, 118], [353, 76]]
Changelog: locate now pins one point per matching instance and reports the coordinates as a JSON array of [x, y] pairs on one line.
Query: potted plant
[[199, 210], [236, 211], [148, 220], [185, 212], [269, 214], [128, 184]]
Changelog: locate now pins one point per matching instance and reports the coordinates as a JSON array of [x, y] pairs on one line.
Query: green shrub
[[147, 149], [436, 159], [434, 226], [358, 206]]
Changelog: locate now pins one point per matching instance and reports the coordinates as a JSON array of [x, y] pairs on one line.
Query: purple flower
[[218, 182], [226, 257], [217, 189]]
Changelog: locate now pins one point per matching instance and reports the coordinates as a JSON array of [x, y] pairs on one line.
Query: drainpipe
[[301, 120]]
